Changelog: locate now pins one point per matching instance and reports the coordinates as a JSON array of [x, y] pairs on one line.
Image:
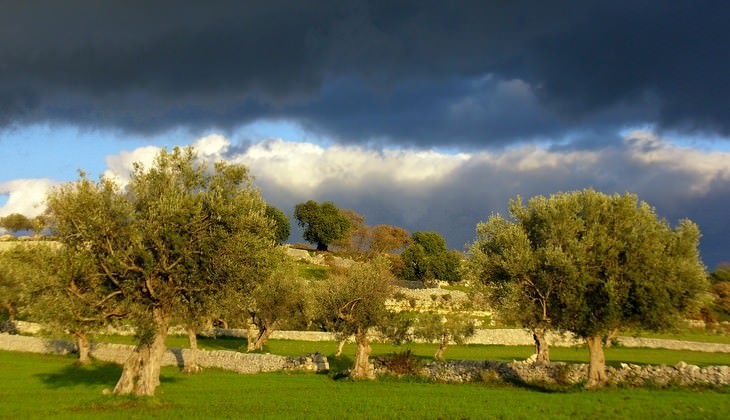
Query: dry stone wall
[[227, 360], [529, 372]]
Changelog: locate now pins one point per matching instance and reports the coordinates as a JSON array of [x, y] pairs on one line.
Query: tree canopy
[[322, 223], [352, 302], [388, 239], [16, 222], [599, 261], [283, 229], [179, 232], [426, 258]]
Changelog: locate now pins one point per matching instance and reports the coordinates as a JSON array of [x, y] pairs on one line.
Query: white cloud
[[120, 166], [702, 167], [307, 165], [429, 190], [212, 145], [25, 196]]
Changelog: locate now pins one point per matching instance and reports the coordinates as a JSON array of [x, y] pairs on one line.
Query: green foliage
[[445, 324], [322, 223], [178, 237], [589, 263], [448, 327], [431, 242], [402, 363], [721, 273], [281, 222], [721, 292], [16, 222], [354, 300], [283, 297], [313, 271], [21, 271], [426, 258], [71, 296]]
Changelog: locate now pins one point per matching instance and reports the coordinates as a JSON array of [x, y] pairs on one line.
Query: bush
[[403, 363]]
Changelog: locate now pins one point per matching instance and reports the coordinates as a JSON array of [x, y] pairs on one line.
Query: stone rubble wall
[[660, 343], [222, 359], [462, 371]]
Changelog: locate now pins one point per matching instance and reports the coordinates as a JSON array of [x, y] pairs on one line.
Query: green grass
[[41, 386], [313, 271], [614, 355]]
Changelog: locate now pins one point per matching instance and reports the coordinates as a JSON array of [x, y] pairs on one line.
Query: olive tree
[[388, 239], [282, 297], [283, 229], [356, 239], [426, 258], [178, 230], [20, 269], [520, 276], [16, 222], [69, 296], [322, 223], [354, 301], [444, 325], [615, 264]]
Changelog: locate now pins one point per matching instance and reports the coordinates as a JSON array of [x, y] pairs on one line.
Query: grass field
[[40, 386], [614, 355]]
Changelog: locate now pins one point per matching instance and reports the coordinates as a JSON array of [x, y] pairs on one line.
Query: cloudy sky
[[427, 115]]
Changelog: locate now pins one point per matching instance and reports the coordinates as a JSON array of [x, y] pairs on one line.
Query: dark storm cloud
[[398, 71]]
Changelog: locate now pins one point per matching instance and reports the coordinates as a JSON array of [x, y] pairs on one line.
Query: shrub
[[403, 363]]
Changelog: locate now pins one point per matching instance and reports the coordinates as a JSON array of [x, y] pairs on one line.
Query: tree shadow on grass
[[97, 373], [340, 364], [223, 343]]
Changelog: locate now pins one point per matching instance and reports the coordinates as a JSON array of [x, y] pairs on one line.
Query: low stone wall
[[527, 372], [222, 359], [520, 337], [660, 343]]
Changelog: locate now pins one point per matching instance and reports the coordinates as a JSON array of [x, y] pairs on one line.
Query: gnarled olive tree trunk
[[443, 344], [362, 369], [261, 338], [597, 368], [340, 346], [82, 342], [257, 341], [542, 348], [141, 372], [10, 309], [611, 337], [191, 363]]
